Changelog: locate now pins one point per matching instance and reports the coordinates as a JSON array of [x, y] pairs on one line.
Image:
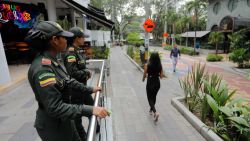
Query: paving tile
[[26, 133]]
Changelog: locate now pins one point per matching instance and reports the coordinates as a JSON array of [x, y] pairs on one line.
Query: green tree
[[197, 7], [215, 38], [133, 38]]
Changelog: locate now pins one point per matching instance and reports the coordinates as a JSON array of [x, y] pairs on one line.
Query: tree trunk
[[195, 28], [216, 48]]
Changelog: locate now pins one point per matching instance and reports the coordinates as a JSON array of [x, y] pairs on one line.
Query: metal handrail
[[92, 125]]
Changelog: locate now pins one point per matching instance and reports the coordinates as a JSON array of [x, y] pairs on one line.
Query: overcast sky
[[140, 11]]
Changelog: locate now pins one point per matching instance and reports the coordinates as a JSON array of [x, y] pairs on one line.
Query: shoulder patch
[[47, 82], [71, 58], [71, 49], [46, 75], [46, 61]]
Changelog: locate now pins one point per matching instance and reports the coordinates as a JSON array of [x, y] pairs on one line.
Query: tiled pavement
[[131, 120], [231, 77]]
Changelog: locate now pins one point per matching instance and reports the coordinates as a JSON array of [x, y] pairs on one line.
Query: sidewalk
[[131, 119], [235, 78], [18, 74]]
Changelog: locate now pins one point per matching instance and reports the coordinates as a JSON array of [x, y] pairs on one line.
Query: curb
[[207, 133], [139, 68], [9, 87]]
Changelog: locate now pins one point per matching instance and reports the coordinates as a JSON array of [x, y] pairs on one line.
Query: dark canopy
[[92, 12]]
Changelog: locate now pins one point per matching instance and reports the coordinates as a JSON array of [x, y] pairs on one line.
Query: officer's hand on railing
[[96, 89], [100, 112]]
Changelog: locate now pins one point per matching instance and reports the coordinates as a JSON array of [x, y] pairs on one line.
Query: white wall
[[83, 2], [4, 71], [100, 37]]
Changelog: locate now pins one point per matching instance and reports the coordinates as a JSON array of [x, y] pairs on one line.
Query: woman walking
[[153, 71]]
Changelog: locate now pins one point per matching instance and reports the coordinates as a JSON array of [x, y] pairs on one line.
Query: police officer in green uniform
[[50, 83], [75, 60], [75, 64]]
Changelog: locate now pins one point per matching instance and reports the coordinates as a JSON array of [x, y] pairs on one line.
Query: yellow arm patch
[[47, 82]]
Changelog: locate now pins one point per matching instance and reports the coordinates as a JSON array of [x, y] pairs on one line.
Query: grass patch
[[214, 58]]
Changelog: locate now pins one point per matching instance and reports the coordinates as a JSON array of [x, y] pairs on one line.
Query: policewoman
[[75, 59], [50, 82], [75, 64]]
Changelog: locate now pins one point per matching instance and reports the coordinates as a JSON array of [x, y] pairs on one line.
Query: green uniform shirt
[[49, 83], [75, 64]]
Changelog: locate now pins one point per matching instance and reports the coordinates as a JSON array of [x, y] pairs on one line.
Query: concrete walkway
[[131, 119], [18, 74]]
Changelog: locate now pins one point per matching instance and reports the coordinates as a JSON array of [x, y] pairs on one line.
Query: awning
[[191, 34], [93, 14]]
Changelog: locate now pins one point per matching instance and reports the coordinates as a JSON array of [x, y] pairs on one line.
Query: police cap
[[78, 32], [47, 29], [50, 29]]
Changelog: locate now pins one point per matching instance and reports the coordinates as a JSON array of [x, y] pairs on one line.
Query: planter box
[[207, 133]]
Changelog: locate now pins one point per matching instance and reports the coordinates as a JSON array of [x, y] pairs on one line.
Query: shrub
[[214, 58], [192, 53], [239, 56], [130, 51], [185, 50], [168, 48], [133, 38], [188, 51], [248, 76], [212, 100], [101, 52]]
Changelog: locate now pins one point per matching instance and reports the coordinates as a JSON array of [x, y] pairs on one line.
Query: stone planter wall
[[207, 133]]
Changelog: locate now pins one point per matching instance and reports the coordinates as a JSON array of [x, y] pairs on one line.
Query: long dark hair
[[154, 63]]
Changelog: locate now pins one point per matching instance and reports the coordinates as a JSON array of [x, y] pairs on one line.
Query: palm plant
[[191, 84], [196, 6], [216, 38]]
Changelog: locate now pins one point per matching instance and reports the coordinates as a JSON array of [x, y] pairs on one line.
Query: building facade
[[220, 11]]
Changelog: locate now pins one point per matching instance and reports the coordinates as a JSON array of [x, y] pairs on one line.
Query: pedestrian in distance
[[50, 83], [142, 54], [75, 64], [174, 55], [153, 72]]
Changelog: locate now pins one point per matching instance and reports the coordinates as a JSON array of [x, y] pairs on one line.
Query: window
[[216, 8], [232, 5]]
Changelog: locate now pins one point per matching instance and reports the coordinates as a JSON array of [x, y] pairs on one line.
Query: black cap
[[78, 32], [49, 29]]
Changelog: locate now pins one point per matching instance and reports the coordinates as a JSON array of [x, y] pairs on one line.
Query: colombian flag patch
[[47, 82]]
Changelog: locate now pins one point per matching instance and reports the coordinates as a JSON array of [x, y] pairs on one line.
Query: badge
[[46, 61]]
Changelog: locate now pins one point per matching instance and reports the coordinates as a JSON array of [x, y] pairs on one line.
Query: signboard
[[148, 25], [22, 15], [165, 35]]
